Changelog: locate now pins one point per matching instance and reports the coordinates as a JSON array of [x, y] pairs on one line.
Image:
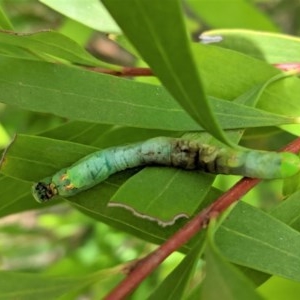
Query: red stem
[[190, 229], [133, 71], [125, 72], [287, 66]]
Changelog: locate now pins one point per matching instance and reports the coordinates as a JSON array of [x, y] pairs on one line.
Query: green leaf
[[181, 275], [279, 288], [288, 211], [270, 47], [169, 200], [94, 203], [105, 99], [16, 196], [238, 73], [25, 286], [48, 43], [4, 137], [93, 15], [4, 21], [168, 54], [230, 283], [252, 238], [103, 136], [243, 14], [44, 156], [78, 132]]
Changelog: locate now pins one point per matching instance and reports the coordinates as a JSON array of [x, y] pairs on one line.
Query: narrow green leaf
[[49, 43], [93, 15], [15, 196], [194, 294], [254, 239], [94, 203], [277, 288], [291, 185], [4, 20], [25, 286], [170, 200], [243, 14], [288, 211], [13, 51], [222, 279], [271, 47], [4, 137], [78, 132], [110, 100], [103, 136], [43, 156], [174, 286], [238, 73], [160, 36]]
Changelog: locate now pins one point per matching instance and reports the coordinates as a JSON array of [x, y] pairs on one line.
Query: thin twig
[[125, 72], [190, 229], [133, 71], [288, 66]]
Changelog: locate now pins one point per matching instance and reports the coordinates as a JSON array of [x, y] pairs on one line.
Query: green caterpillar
[[173, 152]]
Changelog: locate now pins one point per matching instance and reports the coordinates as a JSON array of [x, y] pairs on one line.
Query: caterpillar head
[[44, 191]]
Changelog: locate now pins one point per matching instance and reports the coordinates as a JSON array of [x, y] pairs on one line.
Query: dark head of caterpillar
[[43, 191]]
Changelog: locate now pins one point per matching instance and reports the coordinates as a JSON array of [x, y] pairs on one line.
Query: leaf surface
[[252, 238], [92, 14], [105, 99], [267, 46], [151, 31], [47, 44]]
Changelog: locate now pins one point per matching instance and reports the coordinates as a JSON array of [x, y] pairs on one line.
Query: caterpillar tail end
[[290, 164], [43, 191]]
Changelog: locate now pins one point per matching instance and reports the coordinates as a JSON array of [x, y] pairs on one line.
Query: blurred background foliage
[[61, 240]]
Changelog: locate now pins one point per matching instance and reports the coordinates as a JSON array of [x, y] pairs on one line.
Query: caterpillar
[[173, 152]]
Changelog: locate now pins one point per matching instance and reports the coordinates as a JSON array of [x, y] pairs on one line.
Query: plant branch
[[133, 71], [124, 72], [189, 230]]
